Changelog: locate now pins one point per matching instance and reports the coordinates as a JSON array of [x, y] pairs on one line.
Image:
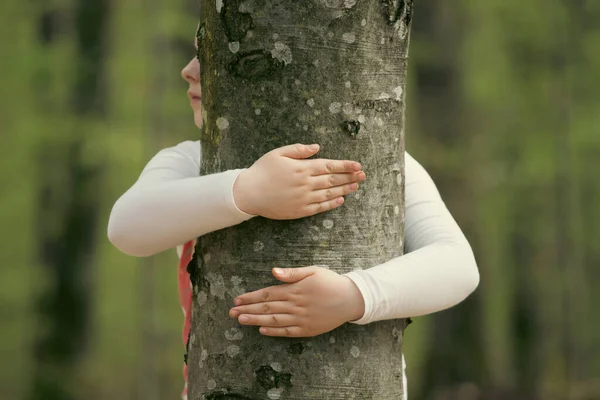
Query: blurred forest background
[[503, 110]]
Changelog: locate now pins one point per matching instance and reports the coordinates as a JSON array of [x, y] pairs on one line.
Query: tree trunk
[[326, 71]]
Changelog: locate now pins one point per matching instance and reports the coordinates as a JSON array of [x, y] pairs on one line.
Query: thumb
[[298, 150], [291, 275]]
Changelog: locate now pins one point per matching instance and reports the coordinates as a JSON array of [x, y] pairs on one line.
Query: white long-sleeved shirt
[[171, 204]]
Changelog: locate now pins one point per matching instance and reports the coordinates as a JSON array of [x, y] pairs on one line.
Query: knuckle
[[266, 308], [317, 208], [303, 313], [292, 273], [265, 295], [327, 194], [274, 319], [286, 331], [329, 166], [331, 180]]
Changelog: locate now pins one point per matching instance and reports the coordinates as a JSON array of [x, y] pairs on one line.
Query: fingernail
[[339, 200], [234, 313], [238, 302], [362, 176], [357, 167], [314, 147], [354, 186], [243, 318], [278, 271]]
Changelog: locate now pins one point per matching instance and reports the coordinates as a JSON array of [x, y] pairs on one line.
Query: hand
[[314, 300], [283, 185]]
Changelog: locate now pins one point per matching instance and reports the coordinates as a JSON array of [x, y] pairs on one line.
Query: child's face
[[191, 74]]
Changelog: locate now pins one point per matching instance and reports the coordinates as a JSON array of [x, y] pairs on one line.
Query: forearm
[[438, 270], [430, 279], [150, 218]]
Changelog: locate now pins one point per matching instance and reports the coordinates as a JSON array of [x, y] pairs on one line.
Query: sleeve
[[438, 269], [171, 204]]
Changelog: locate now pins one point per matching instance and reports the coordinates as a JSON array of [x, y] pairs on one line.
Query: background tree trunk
[[67, 210], [325, 71]]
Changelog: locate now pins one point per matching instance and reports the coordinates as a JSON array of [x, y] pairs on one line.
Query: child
[[170, 205]]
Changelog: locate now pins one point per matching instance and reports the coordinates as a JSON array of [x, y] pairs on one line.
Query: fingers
[[291, 275], [325, 195], [330, 180], [271, 293], [271, 307], [289, 331], [316, 208], [298, 150], [275, 320], [324, 166]]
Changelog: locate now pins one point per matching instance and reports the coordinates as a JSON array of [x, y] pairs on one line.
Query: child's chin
[[198, 120]]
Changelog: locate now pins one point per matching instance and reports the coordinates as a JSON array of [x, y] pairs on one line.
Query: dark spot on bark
[[396, 335], [285, 380], [225, 395], [379, 105], [296, 348], [200, 34], [351, 127], [265, 376], [254, 64], [235, 23], [187, 348], [393, 9], [193, 270], [409, 12], [268, 378]]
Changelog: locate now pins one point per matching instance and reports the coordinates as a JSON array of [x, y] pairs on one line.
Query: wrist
[[356, 301], [242, 194]]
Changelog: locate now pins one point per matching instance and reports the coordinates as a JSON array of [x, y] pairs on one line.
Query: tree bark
[[274, 73]]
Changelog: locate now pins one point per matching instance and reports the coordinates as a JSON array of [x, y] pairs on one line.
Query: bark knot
[[235, 23], [254, 64], [351, 127], [296, 348], [268, 378]]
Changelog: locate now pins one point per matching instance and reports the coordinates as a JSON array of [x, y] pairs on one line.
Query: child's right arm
[[171, 204]]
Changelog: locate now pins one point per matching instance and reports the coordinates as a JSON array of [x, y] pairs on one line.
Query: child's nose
[[191, 72]]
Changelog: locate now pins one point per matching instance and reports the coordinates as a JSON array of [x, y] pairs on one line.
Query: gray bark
[[274, 73]]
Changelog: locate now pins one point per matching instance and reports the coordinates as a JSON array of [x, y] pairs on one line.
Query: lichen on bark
[[322, 71]]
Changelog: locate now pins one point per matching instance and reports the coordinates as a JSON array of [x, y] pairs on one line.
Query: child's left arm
[[438, 271]]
